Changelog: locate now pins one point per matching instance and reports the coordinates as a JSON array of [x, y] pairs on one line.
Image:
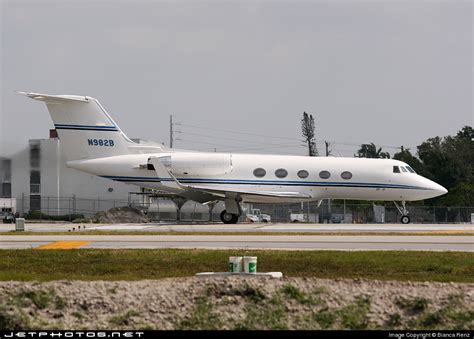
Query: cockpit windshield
[[405, 169]]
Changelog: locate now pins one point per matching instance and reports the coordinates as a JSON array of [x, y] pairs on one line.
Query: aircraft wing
[[161, 169], [223, 191]]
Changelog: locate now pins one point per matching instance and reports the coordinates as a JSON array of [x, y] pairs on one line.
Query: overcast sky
[[389, 72]]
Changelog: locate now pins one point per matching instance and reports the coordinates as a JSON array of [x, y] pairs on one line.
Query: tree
[[415, 163], [449, 161], [371, 151], [307, 128]]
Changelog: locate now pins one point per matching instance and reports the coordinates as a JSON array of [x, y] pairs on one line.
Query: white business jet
[[93, 143]]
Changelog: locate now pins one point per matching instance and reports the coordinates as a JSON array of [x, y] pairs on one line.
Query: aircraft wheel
[[229, 218], [405, 219]]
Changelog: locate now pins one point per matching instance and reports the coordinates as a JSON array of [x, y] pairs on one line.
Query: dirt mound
[[236, 303], [120, 215]]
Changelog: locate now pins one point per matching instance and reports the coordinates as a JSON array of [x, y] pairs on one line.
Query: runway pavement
[[279, 242]]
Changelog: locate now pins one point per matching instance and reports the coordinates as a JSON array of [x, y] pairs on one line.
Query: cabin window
[[150, 167], [346, 175], [324, 174], [403, 169], [410, 169], [259, 172], [396, 169], [303, 174], [281, 173]]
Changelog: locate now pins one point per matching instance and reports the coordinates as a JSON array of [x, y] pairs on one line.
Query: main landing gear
[[229, 218], [405, 219], [232, 210]]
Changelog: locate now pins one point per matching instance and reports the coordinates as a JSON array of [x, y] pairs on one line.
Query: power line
[[283, 138], [227, 148], [224, 138], [363, 143], [264, 147], [202, 142], [234, 132], [334, 143]]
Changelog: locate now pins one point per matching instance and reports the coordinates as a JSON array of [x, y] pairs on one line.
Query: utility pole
[[328, 152], [171, 131], [329, 200]]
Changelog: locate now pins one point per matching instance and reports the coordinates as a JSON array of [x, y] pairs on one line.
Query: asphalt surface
[[279, 242]]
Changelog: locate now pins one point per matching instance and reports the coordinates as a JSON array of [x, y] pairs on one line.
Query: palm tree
[[371, 151], [307, 128]]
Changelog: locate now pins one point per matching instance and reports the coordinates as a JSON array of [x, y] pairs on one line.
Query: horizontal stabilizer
[[55, 98]]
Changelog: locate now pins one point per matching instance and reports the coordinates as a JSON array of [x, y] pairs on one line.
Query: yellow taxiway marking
[[452, 231], [63, 245]]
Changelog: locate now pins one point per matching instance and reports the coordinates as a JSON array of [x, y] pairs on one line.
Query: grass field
[[95, 264]]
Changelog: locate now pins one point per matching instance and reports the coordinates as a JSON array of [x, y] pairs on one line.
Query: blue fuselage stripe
[[262, 182], [86, 127]]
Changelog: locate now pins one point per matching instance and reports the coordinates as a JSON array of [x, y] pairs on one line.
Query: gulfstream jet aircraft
[[93, 143]]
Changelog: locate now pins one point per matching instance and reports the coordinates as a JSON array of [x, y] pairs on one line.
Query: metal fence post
[[158, 208], [74, 204], [194, 211], [344, 218]]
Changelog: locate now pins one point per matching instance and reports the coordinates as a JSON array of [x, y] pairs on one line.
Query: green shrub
[[38, 215]]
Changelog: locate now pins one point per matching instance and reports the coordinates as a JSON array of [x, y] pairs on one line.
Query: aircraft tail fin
[[85, 129]]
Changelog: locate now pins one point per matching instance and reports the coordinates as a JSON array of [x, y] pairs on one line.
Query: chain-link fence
[[66, 208], [168, 209], [329, 212]]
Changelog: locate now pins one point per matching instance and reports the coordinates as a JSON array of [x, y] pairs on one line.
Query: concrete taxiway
[[279, 242]]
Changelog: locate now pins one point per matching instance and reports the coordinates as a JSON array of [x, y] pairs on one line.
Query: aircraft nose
[[438, 189]]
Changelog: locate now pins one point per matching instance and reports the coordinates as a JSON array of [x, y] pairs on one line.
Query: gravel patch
[[117, 215], [236, 303]]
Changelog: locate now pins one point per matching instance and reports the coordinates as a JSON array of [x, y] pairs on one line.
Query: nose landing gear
[[405, 219]]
